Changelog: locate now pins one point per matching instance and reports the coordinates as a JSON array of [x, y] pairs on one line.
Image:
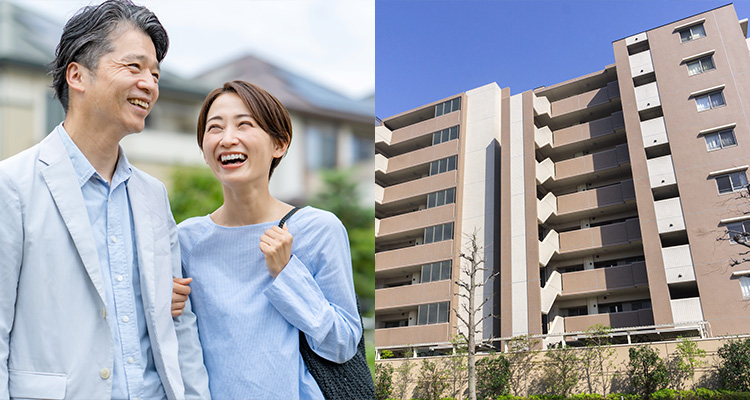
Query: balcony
[[580, 204], [687, 310], [641, 64], [647, 97], [425, 127], [678, 264], [412, 335], [623, 319], [415, 255], [416, 220], [654, 132], [582, 136], [591, 163], [587, 241], [413, 295], [420, 186], [661, 172], [669, 215], [601, 280], [382, 135], [585, 100]]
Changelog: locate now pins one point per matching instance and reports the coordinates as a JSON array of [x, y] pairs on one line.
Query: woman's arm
[[315, 291]]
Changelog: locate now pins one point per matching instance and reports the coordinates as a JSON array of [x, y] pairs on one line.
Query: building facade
[[615, 198]]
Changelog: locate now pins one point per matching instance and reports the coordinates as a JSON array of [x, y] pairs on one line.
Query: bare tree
[[737, 205], [472, 266]]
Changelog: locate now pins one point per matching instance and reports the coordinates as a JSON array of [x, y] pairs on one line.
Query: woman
[[257, 285]]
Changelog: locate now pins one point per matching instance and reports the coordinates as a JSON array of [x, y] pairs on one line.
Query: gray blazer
[[55, 342]]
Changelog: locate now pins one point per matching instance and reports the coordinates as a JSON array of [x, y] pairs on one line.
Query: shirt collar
[[83, 168]]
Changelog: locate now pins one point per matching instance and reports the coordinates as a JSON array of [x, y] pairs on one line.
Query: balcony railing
[[614, 320], [413, 295], [412, 335]]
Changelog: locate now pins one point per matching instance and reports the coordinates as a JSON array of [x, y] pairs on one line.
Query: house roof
[[296, 92]]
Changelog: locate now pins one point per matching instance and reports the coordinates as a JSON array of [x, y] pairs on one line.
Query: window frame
[[701, 61], [732, 185], [718, 135], [710, 99], [745, 287], [692, 36], [733, 227]]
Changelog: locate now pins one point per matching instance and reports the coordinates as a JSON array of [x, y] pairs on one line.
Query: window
[[728, 183], [720, 140], [438, 233], [435, 313], [700, 65], [437, 199], [711, 100], [445, 135], [436, 271], [692, 33], [362, 149], [745, 286], [396, 324], [444, 165], [448, 107], [737, 231], [320, 145]]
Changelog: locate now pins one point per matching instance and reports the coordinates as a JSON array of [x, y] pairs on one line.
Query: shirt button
[[131, 360], [119, 278], [104, 373], [125, 319], [114, 239]]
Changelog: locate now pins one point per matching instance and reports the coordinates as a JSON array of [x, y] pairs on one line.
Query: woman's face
[[238, 151]]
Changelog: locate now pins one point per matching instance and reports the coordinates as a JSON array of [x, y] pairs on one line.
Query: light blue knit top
[[249, 322]]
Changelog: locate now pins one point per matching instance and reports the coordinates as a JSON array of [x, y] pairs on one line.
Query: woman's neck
[[249, 206]]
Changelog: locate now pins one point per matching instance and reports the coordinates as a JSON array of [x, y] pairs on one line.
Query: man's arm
[[11, 256], [193, 370]]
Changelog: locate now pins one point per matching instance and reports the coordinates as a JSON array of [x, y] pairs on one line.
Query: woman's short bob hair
[[265, 109]]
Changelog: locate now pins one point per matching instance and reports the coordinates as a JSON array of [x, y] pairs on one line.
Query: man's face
[[124, 86]]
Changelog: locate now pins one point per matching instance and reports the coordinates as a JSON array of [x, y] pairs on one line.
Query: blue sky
[[426, 50]]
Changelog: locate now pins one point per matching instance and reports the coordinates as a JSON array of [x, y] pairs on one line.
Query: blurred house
[[330, 130]]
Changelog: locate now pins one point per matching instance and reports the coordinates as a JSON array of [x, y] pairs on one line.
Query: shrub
[[734, 372], [647, 370], [561, 370], [383, 381], [664, 394], [703, 393], [493, 374]]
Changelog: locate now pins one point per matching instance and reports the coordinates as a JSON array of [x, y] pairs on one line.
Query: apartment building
[[605, 199]]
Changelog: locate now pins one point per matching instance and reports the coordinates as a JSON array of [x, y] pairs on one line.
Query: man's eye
[[134, 66]]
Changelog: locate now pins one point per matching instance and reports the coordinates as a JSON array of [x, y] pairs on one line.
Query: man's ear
[[75, 76]]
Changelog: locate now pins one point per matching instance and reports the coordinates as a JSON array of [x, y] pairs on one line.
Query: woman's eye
[[214, 128], [247, 123]]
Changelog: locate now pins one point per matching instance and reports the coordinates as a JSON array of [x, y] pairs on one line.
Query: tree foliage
[[521, 357], [688, 357], [597, 358], [493, 376], [194, 192], [402, 379], [432, 380], [647, 370], [734, 372], [383, 381], [456, 365], [561, 370]]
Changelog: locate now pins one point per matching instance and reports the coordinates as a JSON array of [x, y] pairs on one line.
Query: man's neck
[[99, 148]]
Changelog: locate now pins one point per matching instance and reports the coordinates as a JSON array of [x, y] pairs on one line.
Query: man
[[88, 246]]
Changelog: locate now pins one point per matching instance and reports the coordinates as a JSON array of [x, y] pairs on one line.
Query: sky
[[329, 41], [428, 50]]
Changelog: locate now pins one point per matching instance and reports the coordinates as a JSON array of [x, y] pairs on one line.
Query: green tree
[[734, 371], [647, 370], [493, 376], [339, 196], [432, 381], [456, 367], [688, 358], [194, 192], [403, 378], [521, 357], [561, 370], [383, 381], [597, 358]]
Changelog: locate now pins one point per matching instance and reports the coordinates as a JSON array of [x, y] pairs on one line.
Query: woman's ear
[[280, 149]]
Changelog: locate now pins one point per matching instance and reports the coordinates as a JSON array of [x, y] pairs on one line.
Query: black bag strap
[[287, 216]]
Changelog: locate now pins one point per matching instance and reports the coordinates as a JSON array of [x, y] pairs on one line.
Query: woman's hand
[[180, 292], [276, 245]]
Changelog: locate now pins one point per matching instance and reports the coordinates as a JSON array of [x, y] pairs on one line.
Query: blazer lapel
[[144, 239], [61, 180]]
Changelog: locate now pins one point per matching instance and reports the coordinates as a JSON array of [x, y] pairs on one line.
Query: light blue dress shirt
[[249, 322], [134, 374]]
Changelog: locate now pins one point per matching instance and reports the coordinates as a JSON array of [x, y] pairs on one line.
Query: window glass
[[442, 312], [745, 286], [739, 180], [432, 314], [451, 163], [426, 272], [445, 270], [703, 102], [448, 231], [434, 170], [685, 35], [428, 234], [440, 198], [694, 68], [431, 200], [707, 63], [713, 142], [435, 138], [727, 138], [717, 99], [320, 145], [422, 319], [697, 32], [453, 133], [724, 184], [451, 196], [435, 272]]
